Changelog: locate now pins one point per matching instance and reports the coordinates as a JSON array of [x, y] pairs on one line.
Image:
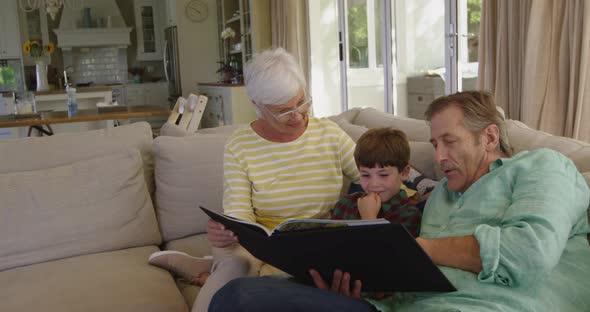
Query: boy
[[382, 156]]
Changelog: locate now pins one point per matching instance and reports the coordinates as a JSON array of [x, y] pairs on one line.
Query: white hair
[[273, 77]]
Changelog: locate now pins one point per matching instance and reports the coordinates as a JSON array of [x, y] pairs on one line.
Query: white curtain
[[535, 58], [289, 29]]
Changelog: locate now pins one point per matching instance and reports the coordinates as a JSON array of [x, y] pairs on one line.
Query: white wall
[[197, 43]]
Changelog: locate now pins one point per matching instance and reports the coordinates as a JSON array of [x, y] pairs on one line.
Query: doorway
[[395, 56]]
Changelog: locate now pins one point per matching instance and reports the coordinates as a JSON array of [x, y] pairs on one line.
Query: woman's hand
[[340, 283], [369, 206], [218, 236]]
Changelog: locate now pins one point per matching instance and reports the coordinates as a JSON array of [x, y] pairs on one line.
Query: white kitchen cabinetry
[[153, 93], [250, 19], [149, 16], [10, 44], [226, 105], [170, 13]]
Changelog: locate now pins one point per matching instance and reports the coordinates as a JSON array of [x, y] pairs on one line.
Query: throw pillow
[[89, 206]]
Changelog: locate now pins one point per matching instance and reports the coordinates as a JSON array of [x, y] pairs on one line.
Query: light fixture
[[51, 6]]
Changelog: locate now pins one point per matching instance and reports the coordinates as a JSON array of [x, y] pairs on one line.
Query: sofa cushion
[[421, 156], [524, 138], [170, 129], [64, 148], [112, 281], [197, 245], [92, 205], [422, 159], [189, 173], [415, 129]]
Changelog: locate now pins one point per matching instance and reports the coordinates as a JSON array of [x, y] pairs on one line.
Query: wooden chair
[[187, 113]]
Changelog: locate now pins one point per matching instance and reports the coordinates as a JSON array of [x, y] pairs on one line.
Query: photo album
[[382, 255]]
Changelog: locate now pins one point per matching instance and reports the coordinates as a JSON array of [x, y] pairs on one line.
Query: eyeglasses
[[284, 117]]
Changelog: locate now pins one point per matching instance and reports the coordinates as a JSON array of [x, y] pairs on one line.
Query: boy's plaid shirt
[[400, 209]]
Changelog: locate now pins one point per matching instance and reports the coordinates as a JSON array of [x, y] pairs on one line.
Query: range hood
[[107, 26]]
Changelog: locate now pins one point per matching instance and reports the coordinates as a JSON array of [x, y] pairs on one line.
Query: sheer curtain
[[289, 29], [535, 58]]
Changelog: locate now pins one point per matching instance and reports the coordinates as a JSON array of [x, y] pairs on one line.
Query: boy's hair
[[383, 147]]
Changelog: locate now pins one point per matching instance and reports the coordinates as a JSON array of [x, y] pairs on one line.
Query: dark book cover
[[385, 257]]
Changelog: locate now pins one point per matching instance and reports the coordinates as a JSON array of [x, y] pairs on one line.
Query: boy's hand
[[369, 206]]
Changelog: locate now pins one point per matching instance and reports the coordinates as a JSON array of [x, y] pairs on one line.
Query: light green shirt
[[528, 215]]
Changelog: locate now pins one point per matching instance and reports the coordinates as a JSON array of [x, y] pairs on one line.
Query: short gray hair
[[273, 77], [479, 109]]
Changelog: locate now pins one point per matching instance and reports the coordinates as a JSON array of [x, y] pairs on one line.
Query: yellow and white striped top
[[269, 182]]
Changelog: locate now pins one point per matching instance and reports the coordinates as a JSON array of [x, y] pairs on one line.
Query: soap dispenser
[[72, 104]]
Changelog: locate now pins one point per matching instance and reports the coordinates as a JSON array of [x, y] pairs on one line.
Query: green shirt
[[529, 214]]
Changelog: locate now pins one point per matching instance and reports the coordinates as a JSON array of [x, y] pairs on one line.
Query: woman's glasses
[[284, 117]]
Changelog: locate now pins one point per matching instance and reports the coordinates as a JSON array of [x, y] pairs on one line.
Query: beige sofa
[[80, 213]]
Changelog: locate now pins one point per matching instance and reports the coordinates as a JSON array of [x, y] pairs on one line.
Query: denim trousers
[[281, 294]]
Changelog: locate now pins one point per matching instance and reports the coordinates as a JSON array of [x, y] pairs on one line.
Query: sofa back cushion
[[189, 174], [421, 153], [88, 206], [416, 129], [524, 138], [45, 152]]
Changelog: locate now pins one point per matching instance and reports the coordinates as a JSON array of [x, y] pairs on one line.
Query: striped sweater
[[268, 182]]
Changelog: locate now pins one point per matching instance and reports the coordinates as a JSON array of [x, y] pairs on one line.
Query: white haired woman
[[284, 165]]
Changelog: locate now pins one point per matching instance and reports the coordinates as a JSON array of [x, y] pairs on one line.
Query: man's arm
[[456, 252]]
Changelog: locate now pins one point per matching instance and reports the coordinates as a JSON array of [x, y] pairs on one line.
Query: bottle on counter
[[72, 104]]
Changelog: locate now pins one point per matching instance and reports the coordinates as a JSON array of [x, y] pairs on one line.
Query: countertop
[[78, 90], [220, 84]]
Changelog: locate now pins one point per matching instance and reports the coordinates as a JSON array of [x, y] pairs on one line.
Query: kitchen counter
[[78, 90], [220, 84]]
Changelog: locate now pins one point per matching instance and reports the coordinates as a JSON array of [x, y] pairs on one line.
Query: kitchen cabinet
[[170, 9], [149, 29], [153, 93], [10, 43], [226, 105], [250, 19]]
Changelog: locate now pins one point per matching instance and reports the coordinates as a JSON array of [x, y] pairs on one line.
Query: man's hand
[[369, 206], [218, 236], [340, 283]]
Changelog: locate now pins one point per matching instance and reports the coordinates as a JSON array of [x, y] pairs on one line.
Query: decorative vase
[[41, 73]]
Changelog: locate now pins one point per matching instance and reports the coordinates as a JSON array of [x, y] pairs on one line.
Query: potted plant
[[226, 70], [38, 51]]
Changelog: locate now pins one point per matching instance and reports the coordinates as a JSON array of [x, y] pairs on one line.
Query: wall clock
[[197, 10]]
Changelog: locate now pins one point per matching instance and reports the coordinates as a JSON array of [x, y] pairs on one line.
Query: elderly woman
[[284, 165]]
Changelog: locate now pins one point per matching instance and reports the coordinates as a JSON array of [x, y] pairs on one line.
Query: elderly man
[[508, 231]]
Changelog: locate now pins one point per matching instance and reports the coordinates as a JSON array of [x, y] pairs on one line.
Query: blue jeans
[[280, 294]]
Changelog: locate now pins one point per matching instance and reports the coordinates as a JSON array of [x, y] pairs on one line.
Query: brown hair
[[479, 109], [384, 147]]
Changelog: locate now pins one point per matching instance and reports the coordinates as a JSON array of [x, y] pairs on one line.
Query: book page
[[221, 217], [311, 224]]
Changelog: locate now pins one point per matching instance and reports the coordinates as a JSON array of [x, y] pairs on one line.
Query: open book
[[382, 255], [293, 225]]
